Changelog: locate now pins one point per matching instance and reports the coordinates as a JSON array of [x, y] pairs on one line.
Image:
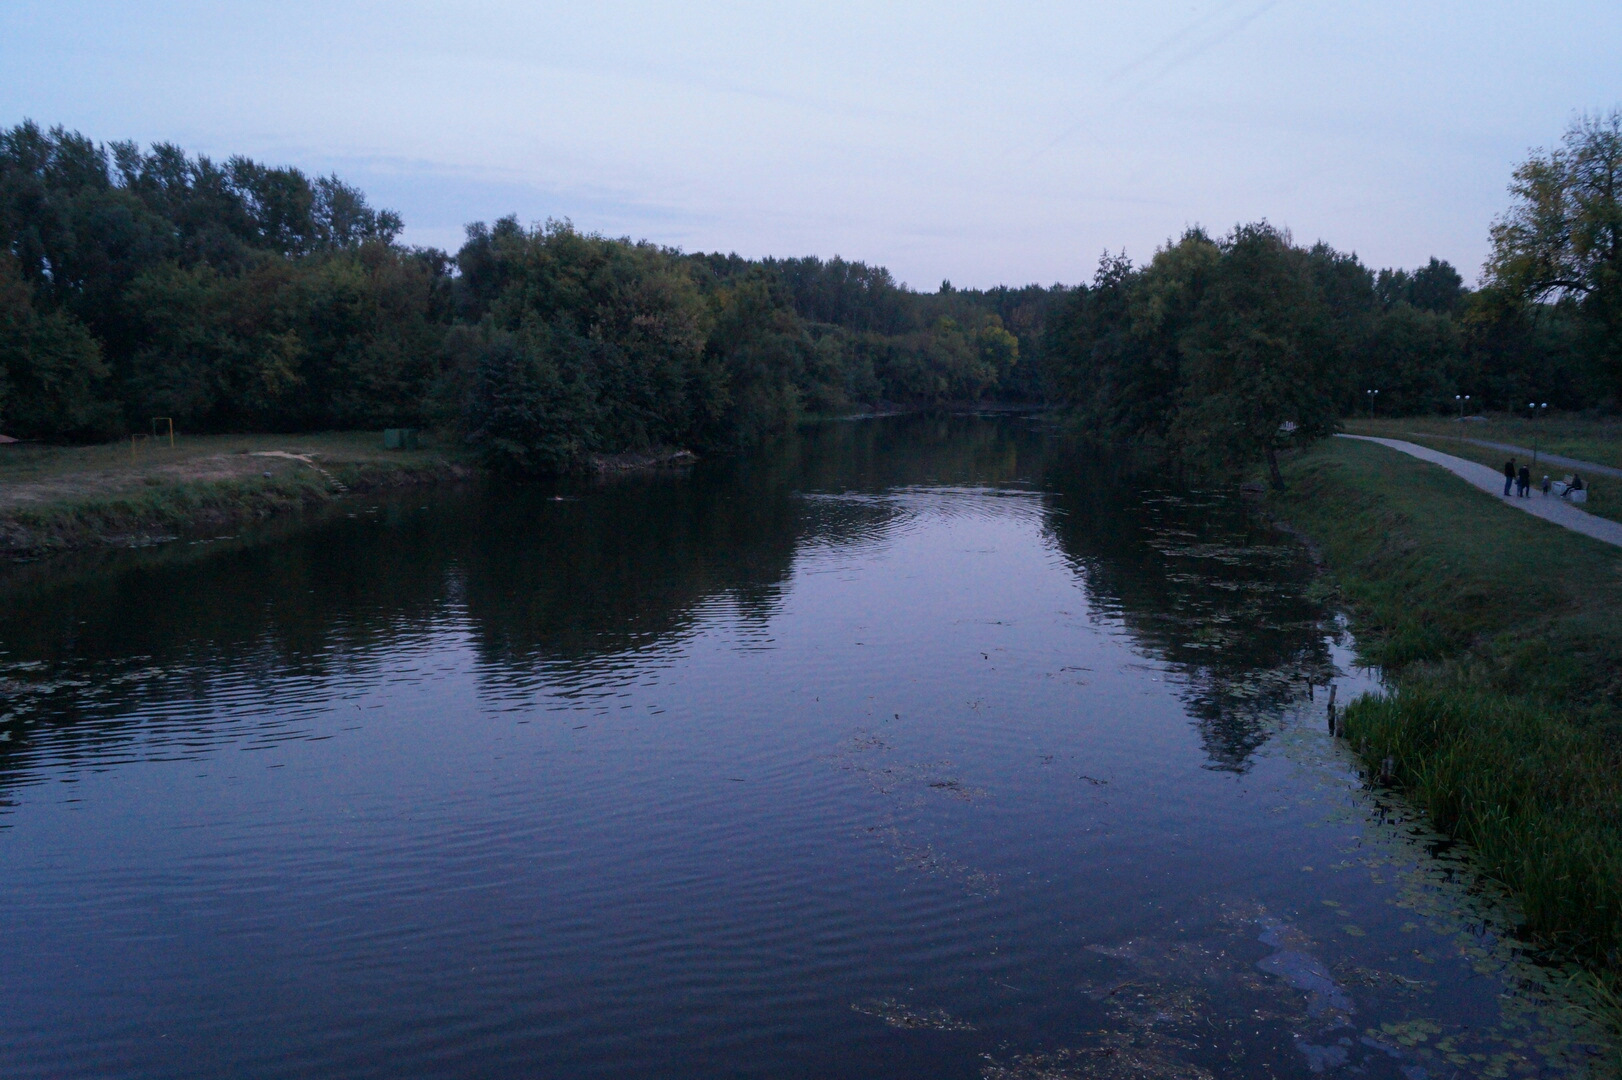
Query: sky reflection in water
[[911, 748]]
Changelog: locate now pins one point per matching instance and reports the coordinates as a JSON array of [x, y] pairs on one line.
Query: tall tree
[[1561, 239], [51, 371], [1258, 372]]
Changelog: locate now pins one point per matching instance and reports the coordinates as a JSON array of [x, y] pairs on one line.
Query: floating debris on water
[[1112, 1061], [900, 1015]]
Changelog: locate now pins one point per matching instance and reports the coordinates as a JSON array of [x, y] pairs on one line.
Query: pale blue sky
[[985, 143]]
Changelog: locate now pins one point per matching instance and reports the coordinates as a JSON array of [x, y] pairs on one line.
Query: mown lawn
[[54, 498], [1583, 438], [32, 472], [1502, 634], [1604, 492]]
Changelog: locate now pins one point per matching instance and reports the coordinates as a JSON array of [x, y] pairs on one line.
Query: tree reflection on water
[[1205, 588], [563, 575]]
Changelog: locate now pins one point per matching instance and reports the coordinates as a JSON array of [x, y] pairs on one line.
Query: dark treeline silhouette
[[236, 297], [1225, 350], [239, 297]]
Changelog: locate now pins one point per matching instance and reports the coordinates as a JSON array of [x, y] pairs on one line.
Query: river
[[911, 747]]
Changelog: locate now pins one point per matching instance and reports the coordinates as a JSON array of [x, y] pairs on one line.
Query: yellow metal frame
[[136, 440]]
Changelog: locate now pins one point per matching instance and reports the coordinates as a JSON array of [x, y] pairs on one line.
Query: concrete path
[[1549, 508], [1543, 455]]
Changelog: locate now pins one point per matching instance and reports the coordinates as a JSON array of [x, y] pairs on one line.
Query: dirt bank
[[55, 499]]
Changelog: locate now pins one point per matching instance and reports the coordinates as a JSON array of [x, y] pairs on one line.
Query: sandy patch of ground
[[33, 476]]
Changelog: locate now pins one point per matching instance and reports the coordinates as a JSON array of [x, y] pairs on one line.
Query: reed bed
[[1501, 636]]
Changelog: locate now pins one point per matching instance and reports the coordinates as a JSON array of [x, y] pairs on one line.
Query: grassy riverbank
[[1503, 636], [1586, 439], [60, 498]]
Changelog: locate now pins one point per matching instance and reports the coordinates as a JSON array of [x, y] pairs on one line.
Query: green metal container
[[400, 438]]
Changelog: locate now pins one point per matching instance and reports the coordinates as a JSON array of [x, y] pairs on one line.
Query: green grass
[[1604, 492], [1534, 795], [1583, 438], [60, 498], [24, 463], [1502, 636]]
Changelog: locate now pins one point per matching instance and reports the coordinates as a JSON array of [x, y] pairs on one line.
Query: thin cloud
[[1199, 48], [1181, 50]]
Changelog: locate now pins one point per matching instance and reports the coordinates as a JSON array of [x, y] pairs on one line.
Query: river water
[[909, 748]]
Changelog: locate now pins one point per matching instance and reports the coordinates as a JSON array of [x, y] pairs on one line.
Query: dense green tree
[[848, 294], [1024, 312], [998, 353], [372, 321], [235, 295], [209, 291], [1515, 352], [51, 371], [1215, 355], [636, 300], [761, 354], [1258, 372], [530, 405], [1413, 356], [1561, 239], [1116, 354], [216, 350], [1435, 287], [883, 341]]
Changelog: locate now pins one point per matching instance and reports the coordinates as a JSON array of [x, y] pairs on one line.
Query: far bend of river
[[909, 748]]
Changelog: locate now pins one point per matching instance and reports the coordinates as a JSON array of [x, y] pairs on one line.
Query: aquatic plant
[[1499, 633]]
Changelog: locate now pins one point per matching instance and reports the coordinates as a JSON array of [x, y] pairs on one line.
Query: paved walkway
[[1542, 455], [1549, 508]]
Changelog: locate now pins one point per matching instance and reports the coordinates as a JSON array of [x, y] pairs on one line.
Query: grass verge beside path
[[1583, 438], [61, 498], [1502, 636], [1604, 492]]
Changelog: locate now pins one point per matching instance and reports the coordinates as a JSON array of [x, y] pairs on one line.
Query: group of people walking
[[1521, 480]]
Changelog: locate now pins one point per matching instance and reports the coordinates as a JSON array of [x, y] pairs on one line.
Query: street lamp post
[[1370, 394], [1536, 409]]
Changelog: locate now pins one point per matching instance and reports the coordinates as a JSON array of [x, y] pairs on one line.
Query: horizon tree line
[[236, 296]]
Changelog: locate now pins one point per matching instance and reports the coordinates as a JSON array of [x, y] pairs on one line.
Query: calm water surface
[[907, 749]]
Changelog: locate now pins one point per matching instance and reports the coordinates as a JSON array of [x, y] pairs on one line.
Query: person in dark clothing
[[1509, 475], [1523, 482]]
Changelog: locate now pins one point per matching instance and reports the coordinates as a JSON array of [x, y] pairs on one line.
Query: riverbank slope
[[1481, 443], [62, 498], [1595, 439], [1502, 636]]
